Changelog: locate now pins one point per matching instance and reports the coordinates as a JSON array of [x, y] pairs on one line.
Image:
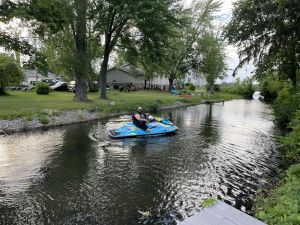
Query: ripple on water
[[77, 175]]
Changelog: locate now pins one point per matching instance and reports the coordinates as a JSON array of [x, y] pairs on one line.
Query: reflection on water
[[77, 175]]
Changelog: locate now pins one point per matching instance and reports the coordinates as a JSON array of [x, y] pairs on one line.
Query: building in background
[[195, 79], [126, 75], [32, 76]]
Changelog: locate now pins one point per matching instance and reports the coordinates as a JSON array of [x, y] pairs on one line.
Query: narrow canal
[[77, 175]]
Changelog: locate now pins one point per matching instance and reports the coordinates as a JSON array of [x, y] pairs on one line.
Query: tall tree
[[183, 51], [139, 25], [49, 17], [213, 66], [268, 33], [79, 28], [8, 10], [10, 72], [60, 48]]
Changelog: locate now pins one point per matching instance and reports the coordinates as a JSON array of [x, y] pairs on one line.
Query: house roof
[[127, 68], [32, 73], [52, 75]]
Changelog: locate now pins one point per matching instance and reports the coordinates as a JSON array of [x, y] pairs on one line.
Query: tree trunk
[[211, 89], [171, 81], [145, 85], [80, 88], [103, 77], [293, 70], [80, 41]]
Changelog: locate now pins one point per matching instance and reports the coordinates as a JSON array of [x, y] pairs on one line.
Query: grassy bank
[[29, 104], [281, 206]]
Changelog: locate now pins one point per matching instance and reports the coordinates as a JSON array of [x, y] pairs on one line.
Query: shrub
[[290, 144], [42, 88], [247, 89], [10, 72], [244, 88], [216, 88], [285, 106], [269, 88], [281, 206], [44, 119], [191, 87]]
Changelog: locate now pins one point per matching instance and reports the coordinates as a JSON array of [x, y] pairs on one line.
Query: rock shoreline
[[53, 118]]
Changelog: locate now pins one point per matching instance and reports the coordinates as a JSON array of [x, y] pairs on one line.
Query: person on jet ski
[[139, 119]]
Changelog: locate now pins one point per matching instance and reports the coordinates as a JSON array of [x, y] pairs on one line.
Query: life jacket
[[135, 120]]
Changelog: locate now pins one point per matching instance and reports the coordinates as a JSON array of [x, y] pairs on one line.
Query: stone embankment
[[52, 118]]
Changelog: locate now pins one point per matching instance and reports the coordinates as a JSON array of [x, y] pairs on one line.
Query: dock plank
[[221, 214]]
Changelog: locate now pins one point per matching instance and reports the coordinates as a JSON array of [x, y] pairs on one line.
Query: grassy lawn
[[29, 104]]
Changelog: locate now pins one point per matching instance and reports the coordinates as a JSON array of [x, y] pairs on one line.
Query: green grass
[[209, 202], [281, 206], [29, 104], [44, 119]]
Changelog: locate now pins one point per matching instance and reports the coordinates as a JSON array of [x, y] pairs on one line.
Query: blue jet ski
[[157, 127]]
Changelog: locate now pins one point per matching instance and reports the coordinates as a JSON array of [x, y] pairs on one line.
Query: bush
[[244, 88], [44, 119], [191, 87], [216, 88], [42, 88], [269, 88], [281, 206], [290, 144], [10, 72], [285, 106]]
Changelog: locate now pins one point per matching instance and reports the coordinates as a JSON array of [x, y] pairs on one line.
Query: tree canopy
[[182, 51], [10, 72], [268, 33], [213, 65], [133, 26]]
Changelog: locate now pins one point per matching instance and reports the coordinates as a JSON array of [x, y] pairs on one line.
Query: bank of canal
[[77, 175]]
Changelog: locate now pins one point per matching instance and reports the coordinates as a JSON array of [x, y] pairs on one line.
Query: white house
[[54, 76], [195, 79], [119, 76], [126, 74], [159, 82], [32, 76]]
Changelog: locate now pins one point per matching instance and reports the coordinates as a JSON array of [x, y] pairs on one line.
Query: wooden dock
[[221, 214], [212, 101]]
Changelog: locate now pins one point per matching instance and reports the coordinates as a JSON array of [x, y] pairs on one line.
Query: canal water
[[77, 175]]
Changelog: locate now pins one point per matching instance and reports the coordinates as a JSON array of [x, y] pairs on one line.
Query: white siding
[[119, 76], [196, 80], [160, 81]]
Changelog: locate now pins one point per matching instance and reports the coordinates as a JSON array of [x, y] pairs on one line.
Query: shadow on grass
[[3, 93]]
